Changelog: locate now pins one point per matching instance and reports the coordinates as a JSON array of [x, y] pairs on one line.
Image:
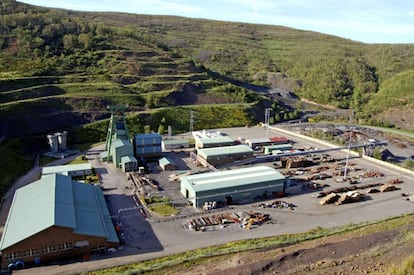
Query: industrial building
[[71, 170], [57, 142], [278, 148], [171, 144], [208, 139], [223, 155], [214, 142], [147, 145], [166, 164], [55, 218], [232, 186], [259, 142], [118, 148]]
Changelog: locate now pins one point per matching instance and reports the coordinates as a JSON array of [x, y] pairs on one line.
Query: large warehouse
[[222, 155], [232, 185], [55, 218]]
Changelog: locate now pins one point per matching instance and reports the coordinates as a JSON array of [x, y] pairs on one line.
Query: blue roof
[[145, 136], [56, 200]]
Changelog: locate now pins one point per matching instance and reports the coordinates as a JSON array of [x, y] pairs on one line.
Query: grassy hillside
[[160, 61], [394, 101], [60, 69]]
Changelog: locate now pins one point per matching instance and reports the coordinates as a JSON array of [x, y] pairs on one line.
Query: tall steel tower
[[116, 122]]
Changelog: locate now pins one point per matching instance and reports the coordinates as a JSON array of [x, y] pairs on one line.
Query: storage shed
[[129, 163], [222, 155], [229, 186], [166, 164], [55, 218]]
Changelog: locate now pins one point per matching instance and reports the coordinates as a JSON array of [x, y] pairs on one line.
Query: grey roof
[[56, 200], [60, 169], [258, 140], [217, 140], [232, 178], [165, 161], [225, 150]]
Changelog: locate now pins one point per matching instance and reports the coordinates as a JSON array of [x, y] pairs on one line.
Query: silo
[[62, 140], [53, 142]]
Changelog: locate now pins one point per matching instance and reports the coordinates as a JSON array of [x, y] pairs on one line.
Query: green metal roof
[[127, 159], [165, 161], [225, 150], [55, 200], [279, 146], [232, 178], [60, 169], [175, 141], [216, 140], [121, 143]]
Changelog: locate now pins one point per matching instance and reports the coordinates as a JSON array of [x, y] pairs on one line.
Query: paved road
[[147, 240]]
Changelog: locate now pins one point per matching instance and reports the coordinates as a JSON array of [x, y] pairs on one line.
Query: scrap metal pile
[[277, 204]]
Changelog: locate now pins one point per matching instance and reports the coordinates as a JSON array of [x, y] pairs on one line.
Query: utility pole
[[267, 120], [192, 115], [351, 132]]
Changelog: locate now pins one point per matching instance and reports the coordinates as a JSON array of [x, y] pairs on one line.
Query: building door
[[187, 193], [228, 200]]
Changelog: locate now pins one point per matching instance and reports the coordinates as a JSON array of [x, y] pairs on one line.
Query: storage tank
[[53, 142], [62, 140]]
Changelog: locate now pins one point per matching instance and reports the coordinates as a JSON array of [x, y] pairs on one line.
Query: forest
[[60, 69]]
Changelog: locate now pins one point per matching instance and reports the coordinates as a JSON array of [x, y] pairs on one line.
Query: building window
[[68, 245], [25, 253]]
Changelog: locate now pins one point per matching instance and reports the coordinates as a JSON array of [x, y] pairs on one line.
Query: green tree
[[69, 42], [377, 154]]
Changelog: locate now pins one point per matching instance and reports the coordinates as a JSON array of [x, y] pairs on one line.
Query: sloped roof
[[225, 150], [165, 161], [55, 200], [60, 169], [216, 140], [232, 178]]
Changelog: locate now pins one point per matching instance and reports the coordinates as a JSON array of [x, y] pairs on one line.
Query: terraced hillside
[[61, 68], [142, 79]]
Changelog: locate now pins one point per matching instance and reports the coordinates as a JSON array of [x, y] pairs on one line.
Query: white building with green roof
[[217, 156], [56, 218], [238, 185]]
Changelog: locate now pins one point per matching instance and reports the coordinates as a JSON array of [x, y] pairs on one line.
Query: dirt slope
[[352, 253]]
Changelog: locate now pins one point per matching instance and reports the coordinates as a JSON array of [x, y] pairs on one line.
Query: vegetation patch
[[199, 255]]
